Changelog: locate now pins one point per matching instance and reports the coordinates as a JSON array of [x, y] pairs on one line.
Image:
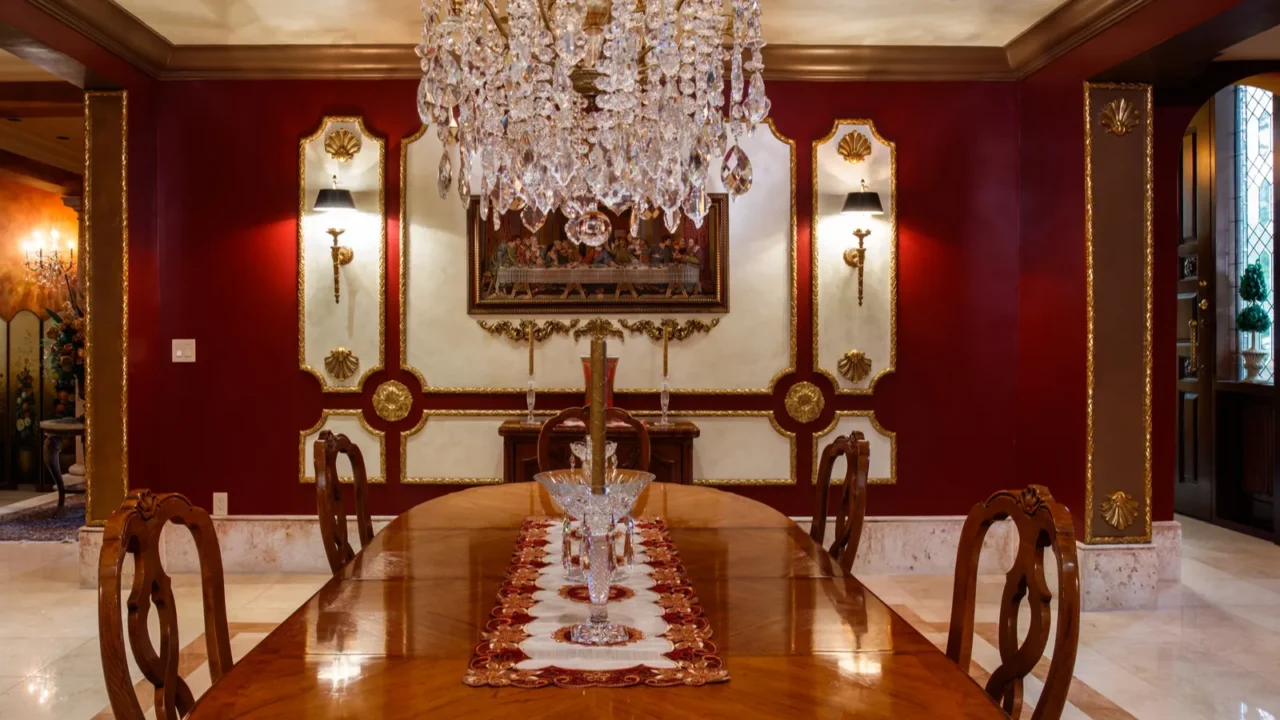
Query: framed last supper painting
[[513, 270]]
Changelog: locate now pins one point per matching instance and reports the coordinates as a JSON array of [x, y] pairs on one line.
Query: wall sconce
[[339, 201], [863, 203]]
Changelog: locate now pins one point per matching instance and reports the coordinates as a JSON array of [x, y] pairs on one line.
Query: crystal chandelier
[[47, 264], [573, 104]]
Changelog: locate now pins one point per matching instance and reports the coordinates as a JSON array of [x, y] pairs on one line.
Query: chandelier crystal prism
[[571, 105]]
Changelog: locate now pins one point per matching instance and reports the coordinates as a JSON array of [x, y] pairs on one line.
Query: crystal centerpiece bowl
[[599, 512]]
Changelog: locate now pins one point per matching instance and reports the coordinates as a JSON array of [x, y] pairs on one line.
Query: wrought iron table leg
[[53, 464]]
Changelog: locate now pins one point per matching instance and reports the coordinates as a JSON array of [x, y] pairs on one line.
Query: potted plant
[[66, 358], [1253, 319]]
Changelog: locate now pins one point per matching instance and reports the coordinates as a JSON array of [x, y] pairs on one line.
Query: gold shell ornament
[[1120, 117], [855, 366], [804, 402], [342, 145], [392, 401], [1119, 510], [854, 147], [341, 363]]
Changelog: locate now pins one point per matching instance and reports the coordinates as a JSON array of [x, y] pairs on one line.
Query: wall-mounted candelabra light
[[49, 262], [863, 203], [337, 201]]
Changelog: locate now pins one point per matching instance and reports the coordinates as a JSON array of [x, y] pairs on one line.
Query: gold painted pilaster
[[106, 289]]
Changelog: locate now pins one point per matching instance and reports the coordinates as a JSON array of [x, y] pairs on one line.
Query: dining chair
[[853, 500], [583, 415], [1041, 523], [333, 516], [135, 530]]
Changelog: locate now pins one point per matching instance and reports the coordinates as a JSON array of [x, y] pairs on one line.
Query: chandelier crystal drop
[[574, 105]]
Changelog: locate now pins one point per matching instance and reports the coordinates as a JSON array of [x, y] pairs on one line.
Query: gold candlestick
[[598, 384], [530, 352], [666, 340]]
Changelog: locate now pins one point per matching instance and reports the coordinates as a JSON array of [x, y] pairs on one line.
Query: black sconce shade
[[864, 202], [331, 199]]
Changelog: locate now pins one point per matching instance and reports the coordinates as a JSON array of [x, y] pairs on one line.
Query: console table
[[671, 449]]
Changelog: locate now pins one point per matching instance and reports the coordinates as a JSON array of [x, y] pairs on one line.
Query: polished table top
[[798, 636]]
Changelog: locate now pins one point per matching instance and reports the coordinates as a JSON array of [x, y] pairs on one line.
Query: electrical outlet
[[184, 351], [220, 504]]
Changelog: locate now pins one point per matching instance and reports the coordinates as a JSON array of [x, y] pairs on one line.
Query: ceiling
[[378, 22], [56, 141], [15, 69], [1263, 46]]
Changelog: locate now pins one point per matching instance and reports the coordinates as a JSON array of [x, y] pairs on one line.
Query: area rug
[[45, 523], [526, 644]]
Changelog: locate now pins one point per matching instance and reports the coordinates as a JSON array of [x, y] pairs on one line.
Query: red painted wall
[[227, 197], [1051, 318]]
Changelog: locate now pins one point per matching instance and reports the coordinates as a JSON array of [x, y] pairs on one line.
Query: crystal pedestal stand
[[529, 397], [666, 402]]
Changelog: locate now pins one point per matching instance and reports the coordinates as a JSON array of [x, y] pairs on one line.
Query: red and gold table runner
[[526, 643]]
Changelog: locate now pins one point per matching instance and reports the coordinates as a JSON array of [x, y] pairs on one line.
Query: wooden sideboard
[[671, 454]]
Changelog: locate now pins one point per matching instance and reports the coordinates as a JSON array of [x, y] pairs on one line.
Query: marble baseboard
[[250, 544], [1118, 577], [1167, 537]]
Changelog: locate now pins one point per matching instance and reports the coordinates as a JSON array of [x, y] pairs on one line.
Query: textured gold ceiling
[[801, 22]]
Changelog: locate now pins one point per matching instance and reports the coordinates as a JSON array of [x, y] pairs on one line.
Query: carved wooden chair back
[[135, 530], [583, 414], [1041, 523], [852, 508], [333, 516]]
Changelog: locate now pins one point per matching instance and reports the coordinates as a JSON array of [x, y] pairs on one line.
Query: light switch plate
[[184, 351], [219, 504]]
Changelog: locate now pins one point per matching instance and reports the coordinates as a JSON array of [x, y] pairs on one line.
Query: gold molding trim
[[1148, 272], [696, 392], [325, 414], [1072, 24], [677, 330], [804, 402], [519, 332], [875, 424], [392, 401], [517, 415], [893, 257], [325, 122]]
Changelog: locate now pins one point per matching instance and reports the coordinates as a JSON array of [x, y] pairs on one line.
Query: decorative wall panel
[[743, 449], [752, 346], [372, 444], [454, 448], [884, 447], [23, 380], [341, 308], [854, 323]]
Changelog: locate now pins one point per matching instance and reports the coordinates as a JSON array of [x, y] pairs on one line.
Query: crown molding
[[1072, 24], [114, 28]]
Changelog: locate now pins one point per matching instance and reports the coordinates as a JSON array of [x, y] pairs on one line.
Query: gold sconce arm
[[857, 258], [342, 255]]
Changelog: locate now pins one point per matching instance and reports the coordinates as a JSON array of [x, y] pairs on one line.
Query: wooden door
[[1193, 493]]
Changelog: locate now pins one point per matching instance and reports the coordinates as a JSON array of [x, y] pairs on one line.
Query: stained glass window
[[1255, 226]]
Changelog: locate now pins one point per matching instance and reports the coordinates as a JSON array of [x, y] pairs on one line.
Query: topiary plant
[[1253, 290]]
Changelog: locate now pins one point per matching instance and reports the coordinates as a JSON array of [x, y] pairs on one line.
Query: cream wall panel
[[840, 324], [355, 322], [455, 450], [745, 352], [884, 447], [372, 446], [741, 450]]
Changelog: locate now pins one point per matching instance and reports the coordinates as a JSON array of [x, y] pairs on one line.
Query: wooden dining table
[[391, 635]]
